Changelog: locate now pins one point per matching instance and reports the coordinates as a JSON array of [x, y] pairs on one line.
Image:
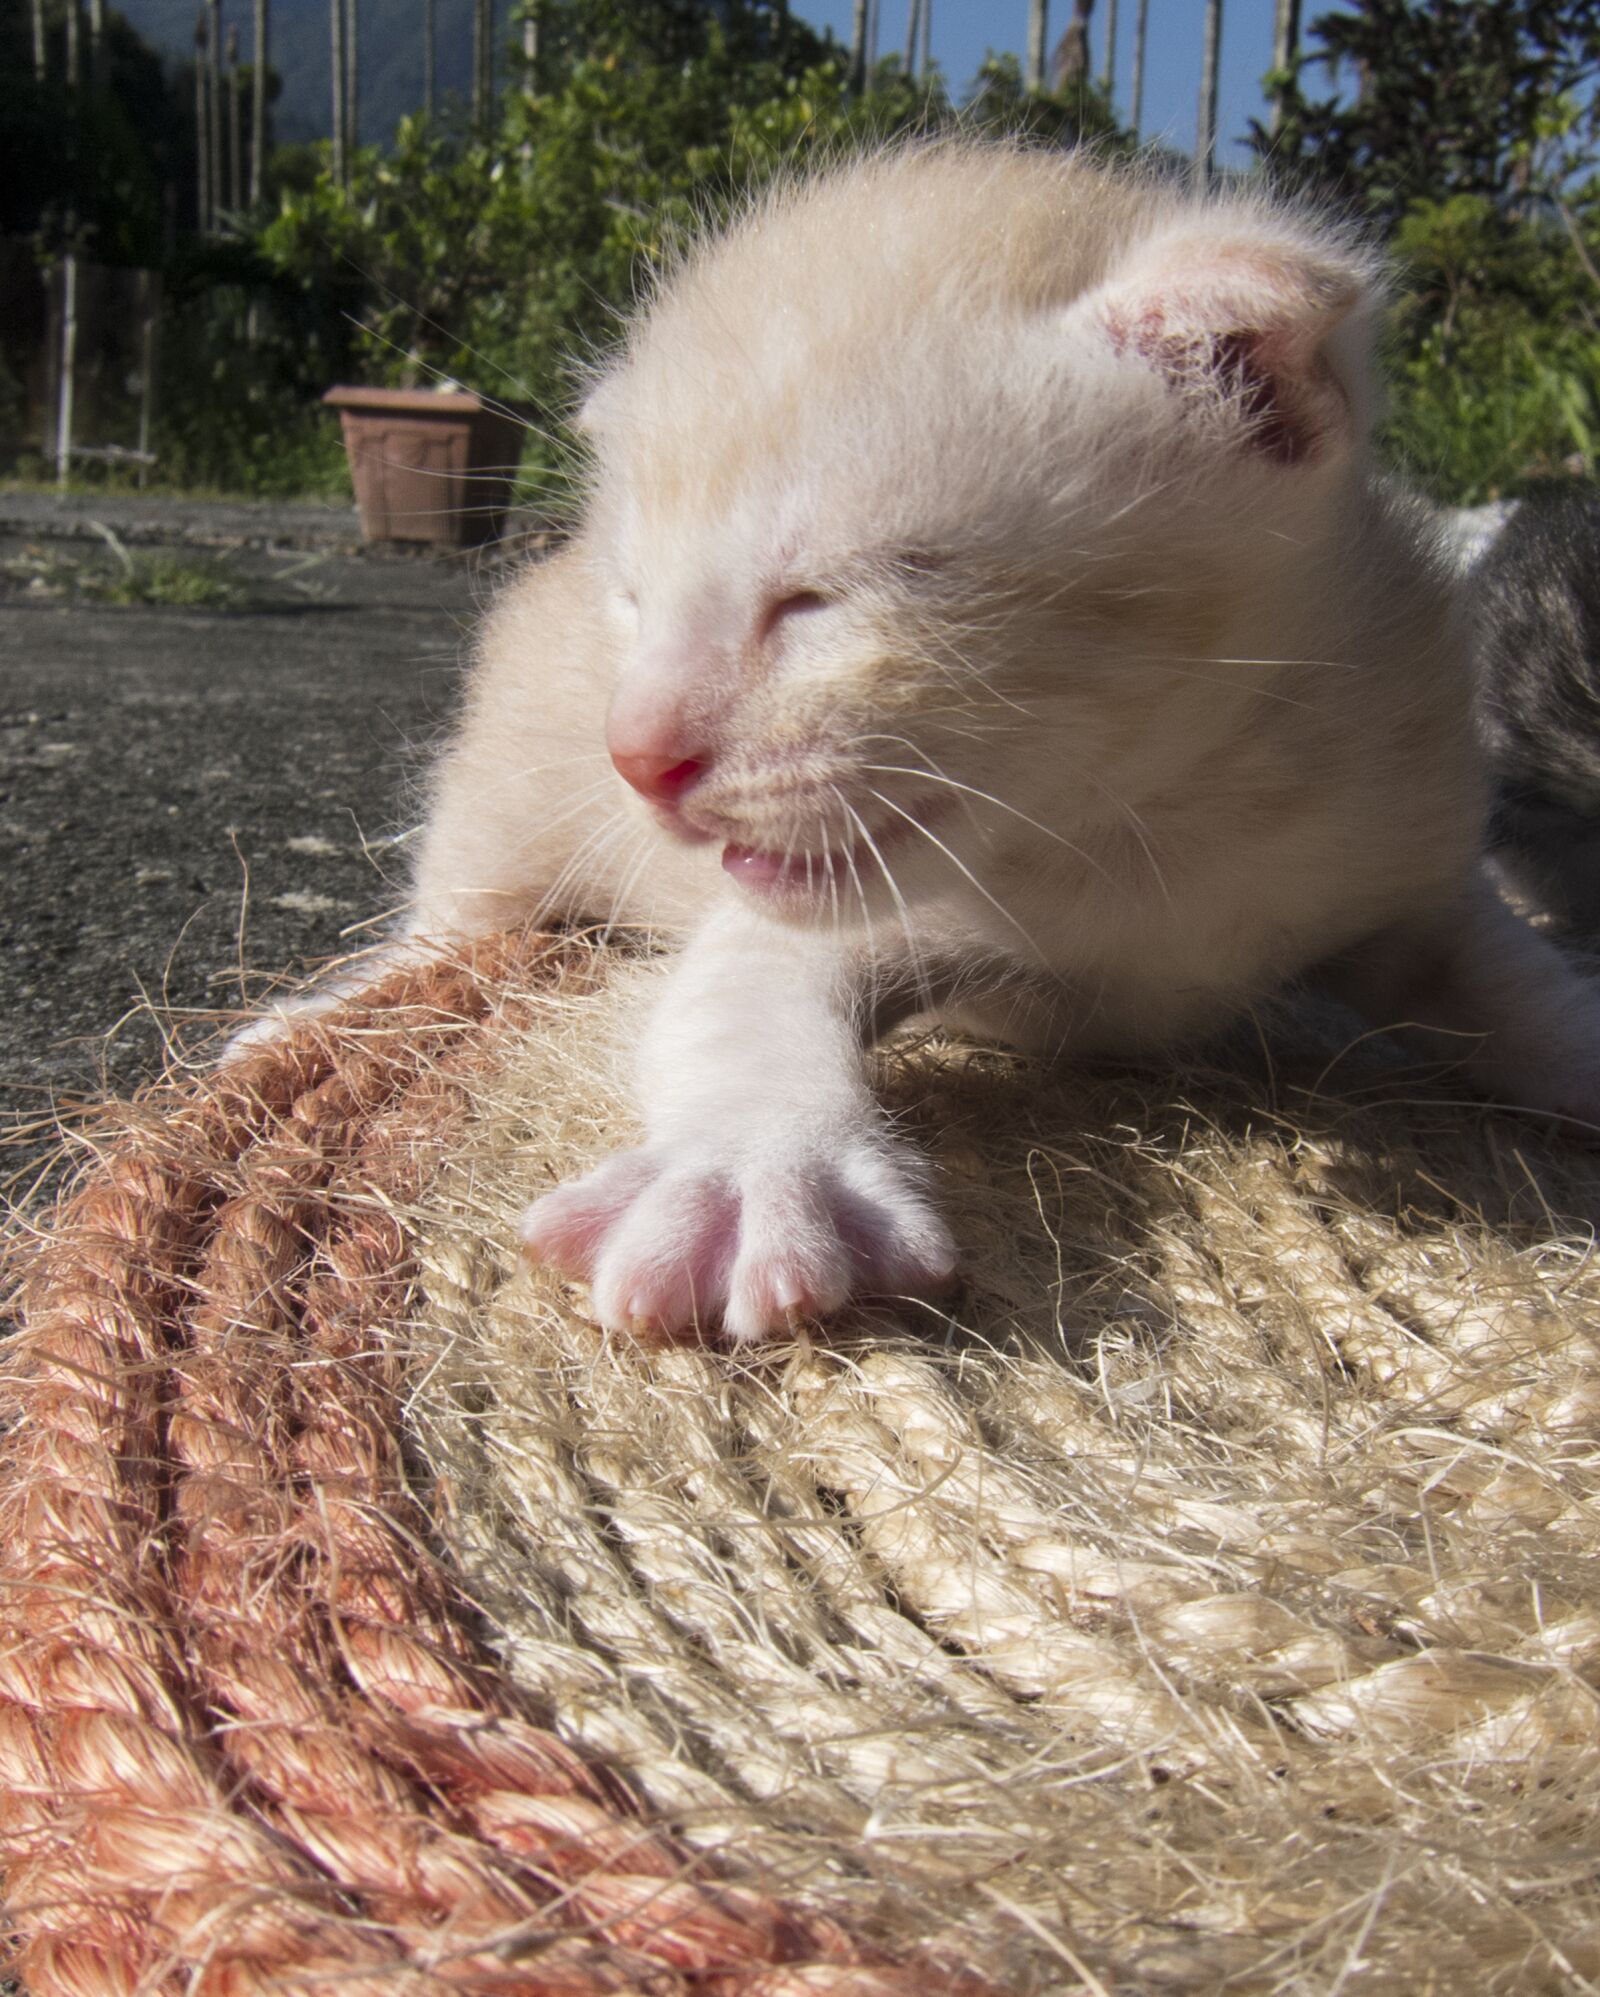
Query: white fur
[[998, 531]]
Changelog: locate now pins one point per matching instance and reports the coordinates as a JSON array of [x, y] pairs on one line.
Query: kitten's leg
[[282, 1014], [1550, 853], [408, 945], [769, 1182], [1475, 984]]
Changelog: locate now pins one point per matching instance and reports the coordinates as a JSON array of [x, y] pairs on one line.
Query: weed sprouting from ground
[[176, 581]]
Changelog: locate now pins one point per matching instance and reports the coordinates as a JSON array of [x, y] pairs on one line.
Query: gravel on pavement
[[194, 800]]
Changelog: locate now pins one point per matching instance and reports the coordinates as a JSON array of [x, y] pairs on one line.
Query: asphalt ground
[[197, 798]]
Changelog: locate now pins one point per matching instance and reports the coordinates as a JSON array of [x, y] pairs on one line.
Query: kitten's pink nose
[[662, 779]]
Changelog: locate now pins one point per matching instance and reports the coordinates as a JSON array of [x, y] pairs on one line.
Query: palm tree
[[1108, 75], [336, 49], [1071, 63], [1285, 50], [202, 135], [213, 105], [352, 79], [530, 46], [1205, 142], [258, 106], [482, 60], [858, 46], [427, 57], [235, 151], [1141, 23], [38, 41], [913, 29], [1038, 41]]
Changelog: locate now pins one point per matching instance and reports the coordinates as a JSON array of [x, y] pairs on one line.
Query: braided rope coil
[[1204, 1600], [250, 1737]]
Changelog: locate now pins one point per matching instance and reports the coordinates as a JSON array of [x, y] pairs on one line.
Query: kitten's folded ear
[[1266, 334]]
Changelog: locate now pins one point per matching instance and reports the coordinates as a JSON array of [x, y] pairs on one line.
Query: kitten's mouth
[[835, 871], [805, 873]]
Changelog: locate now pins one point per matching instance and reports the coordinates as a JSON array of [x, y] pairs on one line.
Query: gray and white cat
[[1534, 605], [984, 609]]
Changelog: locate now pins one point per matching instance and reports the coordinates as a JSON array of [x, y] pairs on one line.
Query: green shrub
[[1495, 360]]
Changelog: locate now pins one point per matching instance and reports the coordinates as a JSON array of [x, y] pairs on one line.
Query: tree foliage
[[1465, 131], [1441, 98], [87, 168], [492, 259]]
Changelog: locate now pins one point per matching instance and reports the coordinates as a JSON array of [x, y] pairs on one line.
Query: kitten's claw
[[668, 1241]]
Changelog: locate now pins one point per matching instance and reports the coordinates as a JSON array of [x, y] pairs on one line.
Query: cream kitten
[[989, 613]]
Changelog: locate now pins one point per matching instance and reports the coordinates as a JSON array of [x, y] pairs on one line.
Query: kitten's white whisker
[[582, 802], [873, 952], [585, 857], [627, 883], [913, 946], [1141, 831], [988, 797], [1169, 666], [516, 415], [1334, 665], [961, 867], [833, 872]]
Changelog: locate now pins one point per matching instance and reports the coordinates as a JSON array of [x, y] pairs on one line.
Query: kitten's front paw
[[668, 1238]]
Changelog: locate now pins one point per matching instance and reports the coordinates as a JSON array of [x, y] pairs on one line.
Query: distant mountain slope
[[390, 45]]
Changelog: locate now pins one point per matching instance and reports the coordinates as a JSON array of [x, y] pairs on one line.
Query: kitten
[[1534, 602], [984, 611]]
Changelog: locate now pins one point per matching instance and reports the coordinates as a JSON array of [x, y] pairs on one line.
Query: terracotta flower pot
[[429, 464]]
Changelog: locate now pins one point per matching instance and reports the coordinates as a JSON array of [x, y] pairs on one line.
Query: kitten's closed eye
[[918, 561], [797, 604]]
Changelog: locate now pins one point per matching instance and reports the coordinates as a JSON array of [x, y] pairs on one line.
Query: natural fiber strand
[[1207, 1601], [248, 1738]]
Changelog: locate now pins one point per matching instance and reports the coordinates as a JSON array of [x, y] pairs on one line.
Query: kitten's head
[[916, 490]]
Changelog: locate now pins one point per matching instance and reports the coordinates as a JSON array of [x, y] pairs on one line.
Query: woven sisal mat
[[1204, 1600]]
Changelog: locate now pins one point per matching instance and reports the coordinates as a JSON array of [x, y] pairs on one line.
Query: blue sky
[[964, 29]]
